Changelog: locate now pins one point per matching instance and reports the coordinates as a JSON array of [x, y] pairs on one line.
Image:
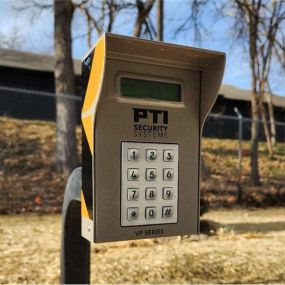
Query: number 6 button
[[168, 174]]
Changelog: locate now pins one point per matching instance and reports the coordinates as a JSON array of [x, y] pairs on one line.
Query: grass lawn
[[248, 247]]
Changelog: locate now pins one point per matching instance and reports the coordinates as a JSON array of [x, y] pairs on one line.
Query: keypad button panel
[[149, 183]]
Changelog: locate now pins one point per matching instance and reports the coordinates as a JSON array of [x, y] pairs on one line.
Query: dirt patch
[[248, 248]]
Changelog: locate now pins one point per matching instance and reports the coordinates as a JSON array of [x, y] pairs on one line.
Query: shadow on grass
[[258, 227]]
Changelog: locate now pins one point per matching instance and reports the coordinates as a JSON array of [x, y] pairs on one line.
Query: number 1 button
[[133, 154]]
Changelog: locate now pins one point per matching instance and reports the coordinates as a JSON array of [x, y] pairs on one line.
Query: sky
[[35, 34]]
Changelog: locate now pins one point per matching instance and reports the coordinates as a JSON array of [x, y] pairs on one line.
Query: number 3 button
[[168, 155]]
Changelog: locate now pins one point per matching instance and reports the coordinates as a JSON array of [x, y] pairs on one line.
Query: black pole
[[75, 250]]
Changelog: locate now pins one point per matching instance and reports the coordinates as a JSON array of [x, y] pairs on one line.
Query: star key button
[[133, 213]]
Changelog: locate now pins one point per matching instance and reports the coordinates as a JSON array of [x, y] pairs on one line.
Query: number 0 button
[[150, 213], [133, 174], [168, 174]]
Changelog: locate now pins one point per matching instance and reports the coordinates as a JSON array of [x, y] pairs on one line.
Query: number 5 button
[[168, 155], [168, 174], [150, 174]]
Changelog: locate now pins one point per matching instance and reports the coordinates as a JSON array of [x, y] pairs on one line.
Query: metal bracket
[[75, 250]]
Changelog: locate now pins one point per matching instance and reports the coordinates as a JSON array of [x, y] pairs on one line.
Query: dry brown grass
[[248, 248], [27, 170]]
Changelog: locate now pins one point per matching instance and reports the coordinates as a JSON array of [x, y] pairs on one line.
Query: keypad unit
[[149, 183]]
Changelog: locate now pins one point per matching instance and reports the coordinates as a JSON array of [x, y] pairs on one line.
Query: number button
[[168, 155], [150, 213], [133, 174], [167, 212], [167, 193], [133, 213], [133, 194], [168, 174], [150, 193], [151, 154], [151, 174], [133, 154]]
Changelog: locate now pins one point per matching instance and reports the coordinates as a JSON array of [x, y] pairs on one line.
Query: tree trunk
[[254, 141], [266, 130], [64, 84], [139, 20], [160, 16], [271, 116], [143, 10]]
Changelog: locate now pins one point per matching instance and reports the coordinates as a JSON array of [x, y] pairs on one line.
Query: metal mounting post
[[240, 138], [75, 250]]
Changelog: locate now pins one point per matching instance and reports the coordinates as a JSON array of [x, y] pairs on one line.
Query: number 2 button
[[151, 154]]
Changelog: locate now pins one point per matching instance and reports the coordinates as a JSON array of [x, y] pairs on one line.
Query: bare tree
[[143, 19], [64, 84], [100, 15], [258, 22], [271, 114], [193, 21], [160, 19]]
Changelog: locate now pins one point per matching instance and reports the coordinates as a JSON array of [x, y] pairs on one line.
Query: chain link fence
[[28, 177]]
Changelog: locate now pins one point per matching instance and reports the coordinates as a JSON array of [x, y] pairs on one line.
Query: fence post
[[75, 250], [240, 138]]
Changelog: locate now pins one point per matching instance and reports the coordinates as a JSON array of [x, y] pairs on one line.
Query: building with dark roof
[[30, 71]]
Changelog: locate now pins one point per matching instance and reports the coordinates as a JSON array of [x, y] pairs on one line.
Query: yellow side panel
[[96, 75], [84, 212], [88, 127]]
